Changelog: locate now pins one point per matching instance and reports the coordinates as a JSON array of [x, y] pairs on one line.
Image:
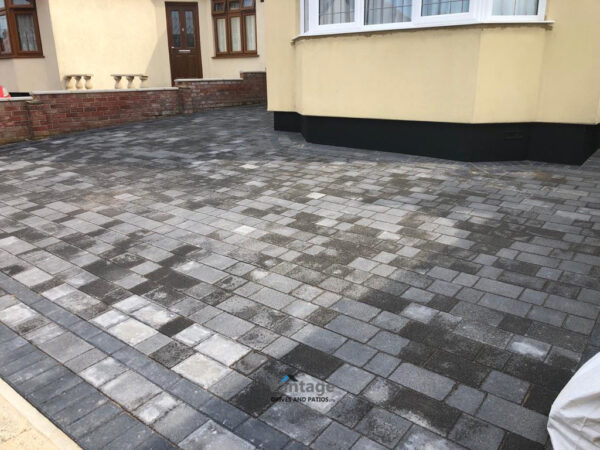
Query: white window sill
[[351, 29]]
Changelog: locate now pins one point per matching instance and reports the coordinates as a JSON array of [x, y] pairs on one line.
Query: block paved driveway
[[160, 279]]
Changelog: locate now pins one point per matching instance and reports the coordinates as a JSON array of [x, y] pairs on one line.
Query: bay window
[[19, 30], [351, 16], [234, 27]]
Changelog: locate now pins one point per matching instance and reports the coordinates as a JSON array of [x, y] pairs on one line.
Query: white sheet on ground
[[574, 422]]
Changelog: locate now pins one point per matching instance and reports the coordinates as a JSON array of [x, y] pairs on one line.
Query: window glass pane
[[515, 7], [236, 34], [221, 35], [22, 2], [387, 11], [306, 16], [176, 28], [219, 7], [26, 32], [2, 4], [250, 33], [189, 28], [336, 11], [248, 3], [234, 4], [5, 47], [439, 7]]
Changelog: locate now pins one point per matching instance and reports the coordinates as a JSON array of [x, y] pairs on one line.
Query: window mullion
[[416, 11], [313, 15], [359, 13]]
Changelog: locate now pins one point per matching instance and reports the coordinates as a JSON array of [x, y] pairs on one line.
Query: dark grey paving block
[[312, 361], [106, 343], [383, 427], [223, 413], [83, 425], [66, 398], [476, 434], [336, 436], [189, 392], [350, 410], [80, 409], [104, 434], [261, 435], [425, 411], [296, 420], [134, 437]]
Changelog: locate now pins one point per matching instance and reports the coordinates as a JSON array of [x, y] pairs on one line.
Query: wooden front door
[[184, 40]]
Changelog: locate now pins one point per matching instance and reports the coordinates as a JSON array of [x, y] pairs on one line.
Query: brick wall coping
[[206, 80], [102, 91], [16, 99]]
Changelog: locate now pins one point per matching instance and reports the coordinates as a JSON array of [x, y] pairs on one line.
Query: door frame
[[194, 6]]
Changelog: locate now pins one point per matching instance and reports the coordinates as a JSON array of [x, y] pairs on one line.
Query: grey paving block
[[422, 380], [419, 437], [350, 378], [179, 423], [466, 399], [212, 435], [130, 390], [514, 418], [506, 386], [352, 328]]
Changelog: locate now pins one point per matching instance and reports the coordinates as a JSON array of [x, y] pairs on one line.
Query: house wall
[[24, 74], [102, 37], [471, 74]]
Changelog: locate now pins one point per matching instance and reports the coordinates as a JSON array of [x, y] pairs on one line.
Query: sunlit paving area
[[206, 282]]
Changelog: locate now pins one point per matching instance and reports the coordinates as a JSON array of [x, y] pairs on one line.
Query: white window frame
[[480, 11]]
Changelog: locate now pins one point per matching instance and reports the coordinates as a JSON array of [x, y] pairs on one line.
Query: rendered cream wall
[[19, 74], [475, 74], [283, 17], [103, 37]]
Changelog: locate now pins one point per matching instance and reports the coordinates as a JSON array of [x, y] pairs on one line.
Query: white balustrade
[[78, 81], [130, 77]]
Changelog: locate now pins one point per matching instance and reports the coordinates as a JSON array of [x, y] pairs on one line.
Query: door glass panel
[[26, 31], [176, 28], [250, 33], [5, 47], [190, 27], [221, 36], [236, 34]]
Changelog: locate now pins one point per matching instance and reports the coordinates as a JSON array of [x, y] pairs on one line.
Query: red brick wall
[[14, 121], [54, 113], [205, 94]]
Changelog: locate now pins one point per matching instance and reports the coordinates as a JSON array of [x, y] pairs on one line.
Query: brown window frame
[[228, 14], [11, 11]]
